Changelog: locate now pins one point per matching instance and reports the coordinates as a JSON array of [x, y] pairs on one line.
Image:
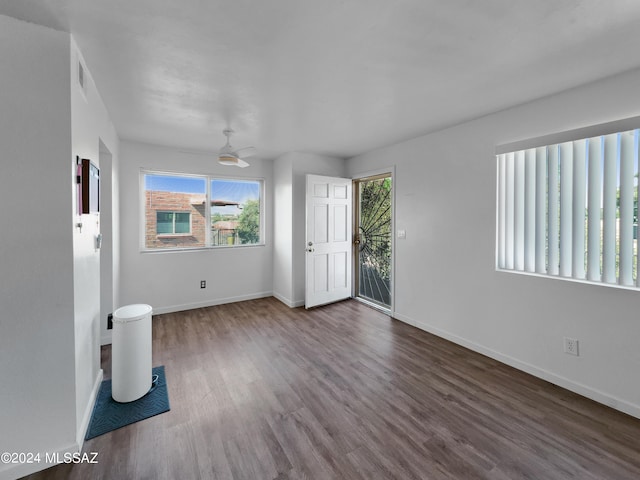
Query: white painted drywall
[[50, 292], [37, 366], [107, 263], [283, 234], [116, 241], [90, 125], [445, 279], [170, 281]]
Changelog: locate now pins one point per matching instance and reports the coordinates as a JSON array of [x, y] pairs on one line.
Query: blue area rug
[[110, 415]]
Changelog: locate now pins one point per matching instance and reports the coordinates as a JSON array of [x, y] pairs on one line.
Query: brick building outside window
[[171, 209]]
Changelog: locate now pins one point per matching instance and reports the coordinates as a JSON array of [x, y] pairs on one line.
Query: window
[[570, 209], [173, 223], [196, 211], [235, 212]]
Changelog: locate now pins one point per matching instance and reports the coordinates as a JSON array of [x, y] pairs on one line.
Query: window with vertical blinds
[[570, 209]]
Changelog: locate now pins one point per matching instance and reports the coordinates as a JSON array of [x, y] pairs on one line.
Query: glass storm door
[[373, 239]]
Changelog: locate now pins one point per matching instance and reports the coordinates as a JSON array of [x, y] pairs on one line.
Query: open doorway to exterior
[[373, 240]]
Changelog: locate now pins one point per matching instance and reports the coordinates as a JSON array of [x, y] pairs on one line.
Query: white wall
[[50, 295], [90, 127], [283, 234], [446, 281], [170, 281], [37, 366], [109, 241]]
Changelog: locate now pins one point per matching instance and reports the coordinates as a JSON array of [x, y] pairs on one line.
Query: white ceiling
[[339, 77]]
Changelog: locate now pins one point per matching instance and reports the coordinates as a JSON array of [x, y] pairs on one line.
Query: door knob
[[310, 249]]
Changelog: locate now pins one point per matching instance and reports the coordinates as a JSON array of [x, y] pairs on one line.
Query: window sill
[[201, 249], [571, 279]]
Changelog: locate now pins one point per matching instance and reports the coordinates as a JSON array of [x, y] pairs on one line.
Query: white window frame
[[593, 163], [207, 179]]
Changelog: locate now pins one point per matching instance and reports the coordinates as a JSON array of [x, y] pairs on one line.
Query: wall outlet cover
[[571, 346]]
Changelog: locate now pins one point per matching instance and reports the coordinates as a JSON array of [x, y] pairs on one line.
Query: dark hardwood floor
[[261, 391]]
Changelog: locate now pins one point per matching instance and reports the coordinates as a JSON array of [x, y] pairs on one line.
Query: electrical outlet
[[203, 284], [571, 346]]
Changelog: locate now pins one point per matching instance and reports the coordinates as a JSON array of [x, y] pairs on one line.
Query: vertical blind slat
[[593, 206], [579, 206], [502, 186], [518, 241], [566, 210], [636, 140], [530, 210], [553, 210], [609, 209], [509, 211], [626, 208], [540, 206]]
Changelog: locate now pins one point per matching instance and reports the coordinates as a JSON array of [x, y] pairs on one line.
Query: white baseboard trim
[[289, 303], [86, 418], [584, 390], [209, 303], [106, 338]]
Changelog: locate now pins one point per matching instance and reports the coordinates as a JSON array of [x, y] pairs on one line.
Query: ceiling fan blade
[[245, 152], [242, 164]]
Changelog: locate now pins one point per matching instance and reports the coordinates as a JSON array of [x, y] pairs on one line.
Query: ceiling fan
[[229, 156]]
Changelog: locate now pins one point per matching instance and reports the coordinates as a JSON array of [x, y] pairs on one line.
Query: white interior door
[[328, 240]]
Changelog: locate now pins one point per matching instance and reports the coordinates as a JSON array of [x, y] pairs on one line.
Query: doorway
[[373, 240]]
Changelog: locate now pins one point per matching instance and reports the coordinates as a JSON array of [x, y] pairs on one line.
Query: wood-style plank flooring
[[262, 391]]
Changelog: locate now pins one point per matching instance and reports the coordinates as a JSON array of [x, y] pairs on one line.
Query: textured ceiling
[[339, 77]]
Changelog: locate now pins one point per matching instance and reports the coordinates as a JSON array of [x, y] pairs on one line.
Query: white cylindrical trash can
[[131, 352]]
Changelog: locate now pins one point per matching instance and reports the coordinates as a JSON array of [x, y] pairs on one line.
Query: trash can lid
[[131, 313]]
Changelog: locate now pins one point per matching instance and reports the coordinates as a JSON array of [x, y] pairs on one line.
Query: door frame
[[389, 171]]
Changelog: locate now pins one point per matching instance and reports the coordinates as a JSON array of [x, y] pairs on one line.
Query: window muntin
[[570, 209], [197, 211]]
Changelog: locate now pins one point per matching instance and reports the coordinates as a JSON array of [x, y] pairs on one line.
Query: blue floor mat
[[110, 415]]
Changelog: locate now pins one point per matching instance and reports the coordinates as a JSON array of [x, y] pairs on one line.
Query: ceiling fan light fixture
[[226, 159]]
